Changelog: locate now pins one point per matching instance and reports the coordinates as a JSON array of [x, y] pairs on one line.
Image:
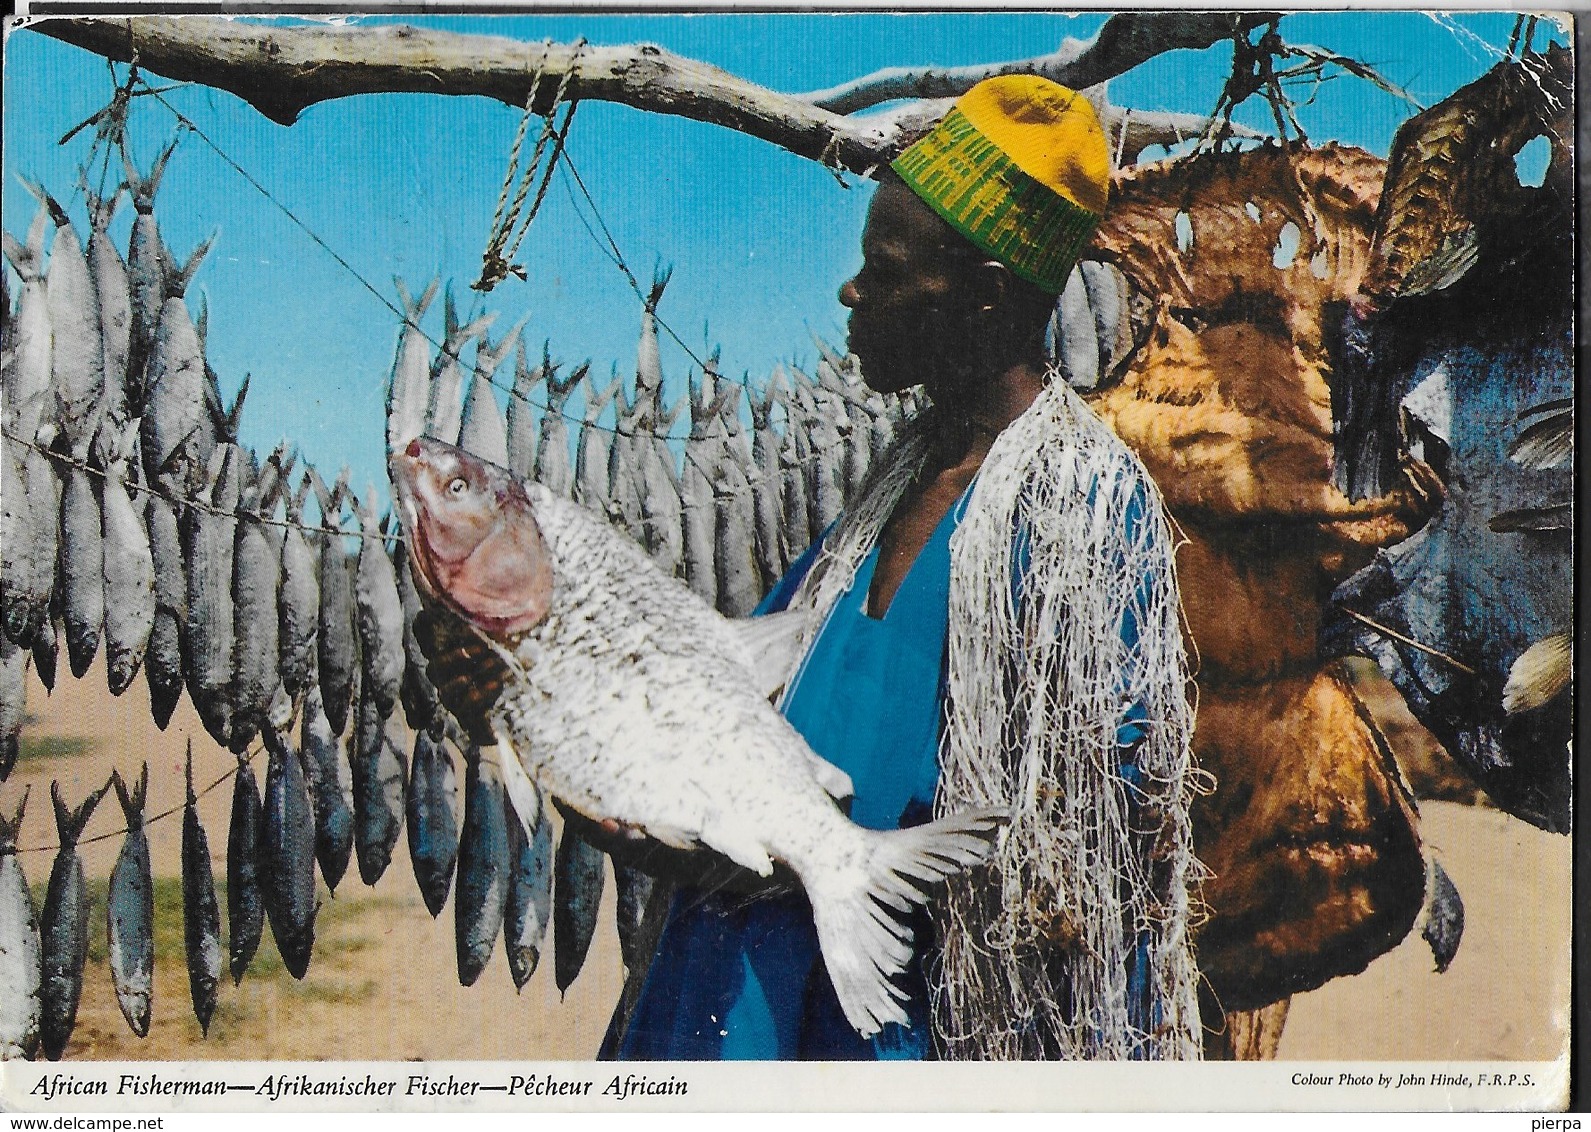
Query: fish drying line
[[612, 252], [188, 124], [161, 816], [196, 504]]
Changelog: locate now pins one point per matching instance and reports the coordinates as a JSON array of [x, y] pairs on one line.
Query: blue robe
[[738, 977]]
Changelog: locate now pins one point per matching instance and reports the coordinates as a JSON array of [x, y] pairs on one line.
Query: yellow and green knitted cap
[[1020, 167]]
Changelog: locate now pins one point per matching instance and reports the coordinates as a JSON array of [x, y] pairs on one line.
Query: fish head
[[473, 539]]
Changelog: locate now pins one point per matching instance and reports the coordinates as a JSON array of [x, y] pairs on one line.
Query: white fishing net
[[1064, 539]]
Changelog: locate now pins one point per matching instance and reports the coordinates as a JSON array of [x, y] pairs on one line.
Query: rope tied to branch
[[497, 260]]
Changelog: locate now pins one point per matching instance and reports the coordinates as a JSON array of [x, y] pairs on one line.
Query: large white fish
[[637, 704]]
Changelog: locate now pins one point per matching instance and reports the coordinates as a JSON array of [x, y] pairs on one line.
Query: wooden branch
[[281, 71], [1126, 40]]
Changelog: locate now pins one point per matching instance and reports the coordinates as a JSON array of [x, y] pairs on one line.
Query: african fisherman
[[993, 622]]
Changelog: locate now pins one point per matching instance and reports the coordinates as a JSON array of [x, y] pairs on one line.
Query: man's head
[[972, 235]]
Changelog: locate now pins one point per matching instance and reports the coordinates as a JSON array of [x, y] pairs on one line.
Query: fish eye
[[457, 486]]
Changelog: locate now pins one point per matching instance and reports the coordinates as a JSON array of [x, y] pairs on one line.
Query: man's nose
[[849, 296]]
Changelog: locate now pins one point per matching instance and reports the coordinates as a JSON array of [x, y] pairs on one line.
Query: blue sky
[[759, 240]]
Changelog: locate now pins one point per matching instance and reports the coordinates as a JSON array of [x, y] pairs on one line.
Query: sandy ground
[[382, 984]]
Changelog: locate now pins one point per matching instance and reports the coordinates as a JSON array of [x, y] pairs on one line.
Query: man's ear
[[991, 285]]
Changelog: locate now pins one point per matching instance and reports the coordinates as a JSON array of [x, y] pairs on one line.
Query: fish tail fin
[[864, 945], [12, 827], [69, 823], [131, 798]]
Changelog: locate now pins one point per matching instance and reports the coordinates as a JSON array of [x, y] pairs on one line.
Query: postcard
[[547, 553]]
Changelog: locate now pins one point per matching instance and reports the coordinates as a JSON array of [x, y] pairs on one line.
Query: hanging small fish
[[27, 373], [552, 466], [378, 615], [483, 863], [178, 427], [65, 936], [129, 562], [76, 360], [482, 429], [245, 905], [578, 877], [201, 917], [592, 449], [408, 395], [298, 602], [739, 583], [112, 302], [82, 567], [521, 423], [432, 819], [163, 653], [147, 269], [337, 641], [447, 377], [13, 701], [330, 776], [208, 538], [379, 769], [529, 892], [256, 582], [45, 646], [421, 707], [29, 515], [21, 953], [130, 911], [287, 855]]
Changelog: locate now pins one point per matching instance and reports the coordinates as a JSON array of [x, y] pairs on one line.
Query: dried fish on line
[[21, 951], [209, 537], [380, 768], [578, 875], [256, 582], [177, 427], [481, 893], [65, 928], [130, 910], [245, 903], [287, 855], [337, 641], [129, 562], [330, 777], [112, 302], [163, 654], [408, 393], [201, 916], [529, 892], [431, 819], [298, 602], [27, 401], [483, 429]]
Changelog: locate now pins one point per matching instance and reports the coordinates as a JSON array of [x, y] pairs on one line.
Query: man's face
[[909, 316]]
